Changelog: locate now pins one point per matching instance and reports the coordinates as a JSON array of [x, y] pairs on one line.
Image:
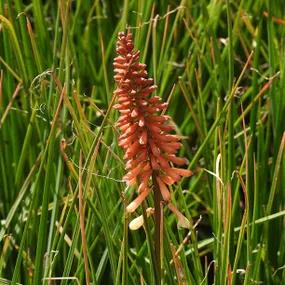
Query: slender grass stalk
[[158, 235], [82, 225]]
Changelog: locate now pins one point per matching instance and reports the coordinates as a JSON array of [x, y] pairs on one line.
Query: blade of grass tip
[[82, 225], [37, 57], [101, 266], [29, 64]]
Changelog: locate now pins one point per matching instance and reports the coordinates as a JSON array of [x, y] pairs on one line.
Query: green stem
[[158, 228]]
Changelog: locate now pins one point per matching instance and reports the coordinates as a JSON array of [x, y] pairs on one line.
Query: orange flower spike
[[149, 147]]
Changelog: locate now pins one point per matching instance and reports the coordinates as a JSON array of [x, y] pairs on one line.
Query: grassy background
[[219, 63]]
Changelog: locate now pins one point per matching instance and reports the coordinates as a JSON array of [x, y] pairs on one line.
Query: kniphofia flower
[[145, 134]]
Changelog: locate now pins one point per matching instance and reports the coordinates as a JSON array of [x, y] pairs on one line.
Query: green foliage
[[219, 64]]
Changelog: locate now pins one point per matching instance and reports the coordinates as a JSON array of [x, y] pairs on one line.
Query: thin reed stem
[[158, 218]]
